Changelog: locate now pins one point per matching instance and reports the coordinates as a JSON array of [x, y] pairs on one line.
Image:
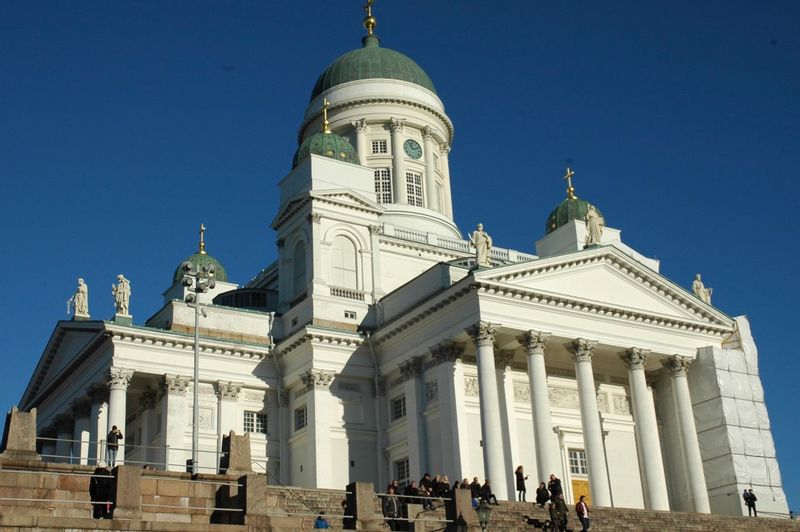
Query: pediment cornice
[[348, 199], [318, 337]]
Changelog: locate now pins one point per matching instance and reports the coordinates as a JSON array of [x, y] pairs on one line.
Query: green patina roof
[[327, 144], [569, 209], [371, 62], [199, 260]]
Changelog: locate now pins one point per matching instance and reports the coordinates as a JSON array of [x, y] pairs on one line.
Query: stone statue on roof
[[79, 302], [483, 243], [122, 295], [700, 290], [594, 226]]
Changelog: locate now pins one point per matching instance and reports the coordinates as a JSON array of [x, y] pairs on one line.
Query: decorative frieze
[[635, 358], [176, 383], [471, 386], [621, 405], [317, 379], [431, 392], [228, 391], [254, 396], [563, 398], [602, 403], [534, 342], [582, 349], [522, 392], [677, 365], [119, 378]]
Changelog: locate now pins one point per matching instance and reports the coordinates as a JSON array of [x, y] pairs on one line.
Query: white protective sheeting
[[767, 443], [730, 411], [763, 417], [748, 344], [753, 445], [736, 361], [756, 388], [747, 414], [741, 386]]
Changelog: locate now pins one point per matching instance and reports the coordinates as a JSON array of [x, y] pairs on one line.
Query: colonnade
[[548, 458]]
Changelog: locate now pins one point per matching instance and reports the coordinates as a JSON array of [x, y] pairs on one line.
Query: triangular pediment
[[348, 198], [606, 278]]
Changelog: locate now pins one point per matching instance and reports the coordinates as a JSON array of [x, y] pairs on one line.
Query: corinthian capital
[[582, 349], [397, 124], [534, 341], [482, 333], [447, 351], [227, 390], [677, 365], [635, 357], [318, 379], [360, 125], [119, 378], [504, 358], [427, 133], [175, 384], [411, 368]]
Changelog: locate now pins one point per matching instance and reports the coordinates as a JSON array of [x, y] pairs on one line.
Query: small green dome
[[199, 260], [569, 209], [327, 144], [371, 62]]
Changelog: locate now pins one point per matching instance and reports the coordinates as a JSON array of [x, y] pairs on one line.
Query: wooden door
[[581, 487]]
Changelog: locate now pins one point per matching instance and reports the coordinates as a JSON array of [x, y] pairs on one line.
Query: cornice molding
[[316, 337], [207, 346]]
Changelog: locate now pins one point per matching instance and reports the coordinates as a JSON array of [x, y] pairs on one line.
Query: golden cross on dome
[[570, 189], [325, 124], [202, 239], [369, 21]]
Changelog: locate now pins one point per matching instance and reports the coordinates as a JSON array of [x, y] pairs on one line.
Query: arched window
[[343, 263], [299, 266]]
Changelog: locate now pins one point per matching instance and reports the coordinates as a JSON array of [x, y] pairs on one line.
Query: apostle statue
[[483, 243], [79, 302], [594, 226], [122, 294], [700, 290]]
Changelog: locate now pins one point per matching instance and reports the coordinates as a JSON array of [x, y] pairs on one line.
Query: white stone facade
[[382, 350]]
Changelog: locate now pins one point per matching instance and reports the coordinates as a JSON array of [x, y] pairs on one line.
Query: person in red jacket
[[583, 513]]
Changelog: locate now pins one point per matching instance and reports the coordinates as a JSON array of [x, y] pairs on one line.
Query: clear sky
[[124, 124]]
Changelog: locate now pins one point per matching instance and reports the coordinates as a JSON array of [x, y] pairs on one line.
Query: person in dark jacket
[[542, 495], [750, 501], [554, 487], [112, 446], [426, 490], [487, 494], [391, 509], [412, 491], [100, 488], [475, 491], [563, 513], [521, 478]]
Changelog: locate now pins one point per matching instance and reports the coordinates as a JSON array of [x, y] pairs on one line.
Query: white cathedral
[[380, 345]]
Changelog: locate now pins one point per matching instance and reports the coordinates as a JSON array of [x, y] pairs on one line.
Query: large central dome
[[371, 62]]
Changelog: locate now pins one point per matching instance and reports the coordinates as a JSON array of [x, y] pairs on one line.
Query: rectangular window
[[414, 188], [255, 422], [378, 146], [383, 185], [300, 417], [349, 314], [398, 407], [577, 462], [402, 472]]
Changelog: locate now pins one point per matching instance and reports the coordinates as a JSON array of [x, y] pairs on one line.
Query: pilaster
[[397, 125], [174, 420], [411, 372], [118, 381], [317, 383], [450, 380]]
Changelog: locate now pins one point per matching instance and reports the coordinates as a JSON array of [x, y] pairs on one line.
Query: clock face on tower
[[412, 148]]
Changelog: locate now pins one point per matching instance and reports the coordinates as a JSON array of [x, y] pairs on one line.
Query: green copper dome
[[371, 62], [199, 260], [570, 209], [327, 144]]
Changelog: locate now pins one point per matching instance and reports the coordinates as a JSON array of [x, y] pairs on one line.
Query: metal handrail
[[193, 507], [286, 488]]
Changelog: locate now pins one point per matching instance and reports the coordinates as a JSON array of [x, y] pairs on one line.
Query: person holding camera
[[112, 445]]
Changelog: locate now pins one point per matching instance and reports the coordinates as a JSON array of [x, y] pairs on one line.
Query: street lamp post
[[197, 282]]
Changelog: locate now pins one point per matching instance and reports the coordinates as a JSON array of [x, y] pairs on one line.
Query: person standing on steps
[[750, 501], [554, 486], [391, 509], [582, 510], [521, 478], [112, 446]]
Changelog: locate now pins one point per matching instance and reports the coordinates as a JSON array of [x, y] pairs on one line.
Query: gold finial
[[570, 189], [202, 239], [326, 126], [369, 20]]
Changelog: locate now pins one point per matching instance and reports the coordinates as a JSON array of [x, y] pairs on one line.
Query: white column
[[361, 128], [98, 421], [398, 167], [590, 421], [318, 383], [65, 426], [375, 232], [416, 439], [449, 373], [430, 169], [548, 458], [491, 427], [448, 200], [82, 410], [318, 275], [174, 422], [650, 460], [118, 381], [283, 419], [229, 416], [147, 402], [678, 365], [508, 416]]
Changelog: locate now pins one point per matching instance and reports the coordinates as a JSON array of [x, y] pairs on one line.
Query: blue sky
[[125, 124]]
